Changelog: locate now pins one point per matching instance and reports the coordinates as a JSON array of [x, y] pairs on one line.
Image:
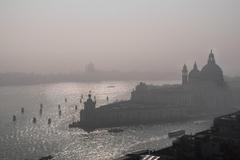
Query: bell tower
[[90, 105], [184, 75]]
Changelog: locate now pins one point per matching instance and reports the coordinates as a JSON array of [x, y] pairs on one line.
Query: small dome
[[194, 75]]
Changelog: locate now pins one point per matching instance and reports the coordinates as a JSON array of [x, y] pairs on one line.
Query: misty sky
[[52, 36]]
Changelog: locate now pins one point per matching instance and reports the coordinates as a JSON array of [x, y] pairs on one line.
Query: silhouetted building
[[210, 74], [87, 115], [90, 68], [205, 88], [201, 92]]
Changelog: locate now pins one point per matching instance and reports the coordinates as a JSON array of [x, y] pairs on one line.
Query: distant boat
[[115, 130], [111, 86], [74, 124], [199, 122], [47, 157], [176, 133]]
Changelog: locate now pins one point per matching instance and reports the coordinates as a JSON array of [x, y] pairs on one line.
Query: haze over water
[[125, 37], [61, 36]]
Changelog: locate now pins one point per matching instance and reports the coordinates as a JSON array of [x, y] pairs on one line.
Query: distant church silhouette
[[201, 93], [205, 88], [210, 73], [90, 68]]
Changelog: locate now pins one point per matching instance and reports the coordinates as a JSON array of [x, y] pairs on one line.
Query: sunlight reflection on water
[[24, 140]]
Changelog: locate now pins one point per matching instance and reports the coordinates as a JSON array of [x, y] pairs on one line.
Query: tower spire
[[195, 67]]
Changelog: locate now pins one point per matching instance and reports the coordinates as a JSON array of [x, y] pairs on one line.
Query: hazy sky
[[50, 36]]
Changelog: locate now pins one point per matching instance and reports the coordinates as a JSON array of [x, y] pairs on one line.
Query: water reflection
[[25, 139]]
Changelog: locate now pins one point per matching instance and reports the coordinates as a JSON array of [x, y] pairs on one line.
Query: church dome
[[212, 72], [212, 69]]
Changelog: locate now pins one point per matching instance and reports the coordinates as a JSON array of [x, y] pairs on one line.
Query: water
[[25, 140]]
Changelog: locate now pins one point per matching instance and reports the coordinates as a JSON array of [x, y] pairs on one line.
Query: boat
[[199, 122], [46, 158], [115, 130], [74, 124], [176, 133], [111, 86]]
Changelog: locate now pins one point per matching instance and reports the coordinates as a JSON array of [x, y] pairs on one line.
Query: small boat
[[74, 124], [46, 158], [199, 122], [176, 133], [115, 130], [111, 86]]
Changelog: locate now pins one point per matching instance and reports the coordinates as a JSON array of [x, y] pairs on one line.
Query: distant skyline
[[61, 36]]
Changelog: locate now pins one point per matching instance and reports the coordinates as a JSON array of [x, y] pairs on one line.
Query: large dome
[[212, 68], [212, 72]]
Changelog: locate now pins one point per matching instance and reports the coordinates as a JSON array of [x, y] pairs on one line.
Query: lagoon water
[[25, 140]]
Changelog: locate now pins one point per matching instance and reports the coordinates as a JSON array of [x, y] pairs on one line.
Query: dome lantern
[[211, 59]]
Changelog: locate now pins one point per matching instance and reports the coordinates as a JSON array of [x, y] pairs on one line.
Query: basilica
[[202, 92], [199, 88], [211, 74]]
